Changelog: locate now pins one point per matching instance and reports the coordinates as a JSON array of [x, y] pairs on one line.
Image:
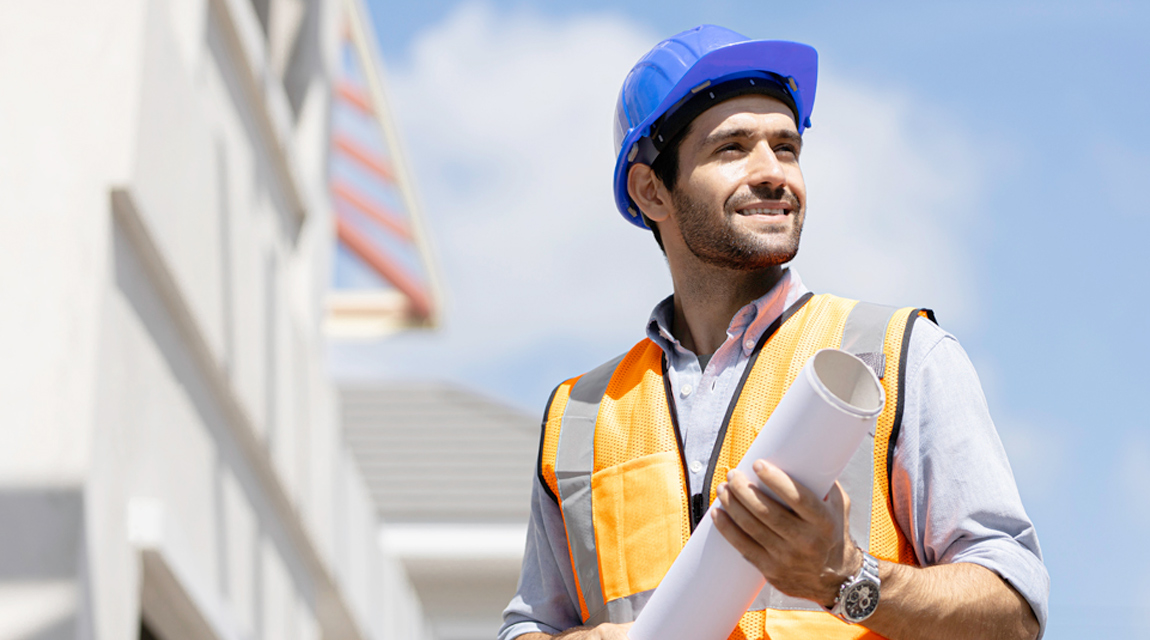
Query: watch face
[[860, 600]]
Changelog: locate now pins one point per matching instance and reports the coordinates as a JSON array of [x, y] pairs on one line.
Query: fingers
[[838, 499], [743, 543], [799, 498], [756, 513], [796, 540], [792, 516]]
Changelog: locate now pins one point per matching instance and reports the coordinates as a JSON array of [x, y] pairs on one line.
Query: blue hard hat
[[678, 68]]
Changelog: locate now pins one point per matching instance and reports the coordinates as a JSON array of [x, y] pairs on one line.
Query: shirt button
[[749, 344], [696, 466], [686, 390]]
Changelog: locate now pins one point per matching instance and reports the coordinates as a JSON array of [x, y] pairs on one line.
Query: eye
[[787, 150]]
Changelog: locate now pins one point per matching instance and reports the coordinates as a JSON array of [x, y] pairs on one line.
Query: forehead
[[758, 112]]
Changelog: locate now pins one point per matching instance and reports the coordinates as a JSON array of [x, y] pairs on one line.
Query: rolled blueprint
[[812, 434]]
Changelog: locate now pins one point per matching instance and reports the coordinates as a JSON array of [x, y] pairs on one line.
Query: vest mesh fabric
[[818, 325], [637, 540], [887, 541], [805, 625], [635, 391], [750, 626], [550, 443]]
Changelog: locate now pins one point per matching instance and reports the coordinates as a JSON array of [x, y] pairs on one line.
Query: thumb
[[837, 498]]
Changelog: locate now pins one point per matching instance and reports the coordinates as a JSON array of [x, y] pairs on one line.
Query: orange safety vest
[[611, 456]]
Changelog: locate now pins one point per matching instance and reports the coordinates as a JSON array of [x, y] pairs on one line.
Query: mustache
[[762, 192]]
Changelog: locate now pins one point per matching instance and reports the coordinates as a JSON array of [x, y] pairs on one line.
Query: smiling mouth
[[775, 204], [764, 211]]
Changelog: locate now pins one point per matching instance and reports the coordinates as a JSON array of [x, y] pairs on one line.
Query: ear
[[648, 192]]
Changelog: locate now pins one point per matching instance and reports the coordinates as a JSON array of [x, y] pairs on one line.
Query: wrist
[[852, 564]]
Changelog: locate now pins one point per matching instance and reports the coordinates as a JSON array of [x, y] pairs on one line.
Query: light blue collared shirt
[[953, 491], [702, 393]]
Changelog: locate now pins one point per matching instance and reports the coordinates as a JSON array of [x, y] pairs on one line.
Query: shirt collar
[[747, 325]]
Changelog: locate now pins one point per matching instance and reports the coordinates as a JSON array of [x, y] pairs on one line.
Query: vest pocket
[[640, 516]]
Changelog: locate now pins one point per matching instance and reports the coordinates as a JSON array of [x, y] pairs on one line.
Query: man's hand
[[605, 631], [802, 546]]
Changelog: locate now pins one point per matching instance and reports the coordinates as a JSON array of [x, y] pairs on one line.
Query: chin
[[759, 254]]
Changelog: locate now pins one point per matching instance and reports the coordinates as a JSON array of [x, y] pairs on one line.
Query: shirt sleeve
[[546, 600], [953, 490]]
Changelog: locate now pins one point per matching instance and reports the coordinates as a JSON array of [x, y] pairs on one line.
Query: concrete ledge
[[173, 599]]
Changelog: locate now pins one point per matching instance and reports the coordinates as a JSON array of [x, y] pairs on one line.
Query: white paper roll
[[817, 426]]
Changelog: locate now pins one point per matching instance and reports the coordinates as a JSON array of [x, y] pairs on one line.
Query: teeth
[[764, 212]]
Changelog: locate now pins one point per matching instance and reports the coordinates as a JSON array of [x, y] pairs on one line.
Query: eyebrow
[[723, 135]]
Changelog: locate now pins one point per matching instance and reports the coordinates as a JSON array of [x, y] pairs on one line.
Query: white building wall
[[168, 435]]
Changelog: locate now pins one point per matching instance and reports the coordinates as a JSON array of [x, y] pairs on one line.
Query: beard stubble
[[720, 243]]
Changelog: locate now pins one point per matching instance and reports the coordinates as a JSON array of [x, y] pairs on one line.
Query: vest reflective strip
[[574, 464], [626, 608], [865, 333]]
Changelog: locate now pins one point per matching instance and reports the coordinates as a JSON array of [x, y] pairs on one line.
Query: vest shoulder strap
[[889, 329], [865, 334], [567, 464]]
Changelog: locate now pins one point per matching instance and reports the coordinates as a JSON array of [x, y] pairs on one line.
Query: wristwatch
[[858, 595]]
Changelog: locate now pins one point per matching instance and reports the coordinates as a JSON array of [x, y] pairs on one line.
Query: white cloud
[[507, 119], [893, 194]]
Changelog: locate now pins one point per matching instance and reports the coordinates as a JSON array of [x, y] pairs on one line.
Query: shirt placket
[[702, 401]]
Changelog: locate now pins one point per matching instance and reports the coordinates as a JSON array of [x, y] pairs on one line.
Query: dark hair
[[666, 169]]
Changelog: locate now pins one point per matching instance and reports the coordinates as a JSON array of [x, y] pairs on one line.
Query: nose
[[764, 168]]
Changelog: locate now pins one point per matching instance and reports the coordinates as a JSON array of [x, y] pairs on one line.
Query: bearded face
[[748, 231], [736, 199]]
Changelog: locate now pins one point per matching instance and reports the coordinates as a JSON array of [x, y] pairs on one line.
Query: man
[[923, 537]]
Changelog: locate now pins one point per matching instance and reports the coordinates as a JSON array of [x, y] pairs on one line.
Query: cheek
[[731, 173], [709, 184], [797, 185]]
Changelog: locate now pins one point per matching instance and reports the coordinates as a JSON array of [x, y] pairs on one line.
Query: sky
[[986, 159]]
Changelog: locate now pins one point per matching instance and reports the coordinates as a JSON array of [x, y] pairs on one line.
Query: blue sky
[[995, 155]]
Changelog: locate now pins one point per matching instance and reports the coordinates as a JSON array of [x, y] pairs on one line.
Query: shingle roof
[[434, 452]]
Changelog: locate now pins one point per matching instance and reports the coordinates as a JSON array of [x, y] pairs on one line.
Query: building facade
[[171, 460]]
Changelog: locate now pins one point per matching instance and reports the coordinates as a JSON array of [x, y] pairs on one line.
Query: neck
[[707, 297]]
